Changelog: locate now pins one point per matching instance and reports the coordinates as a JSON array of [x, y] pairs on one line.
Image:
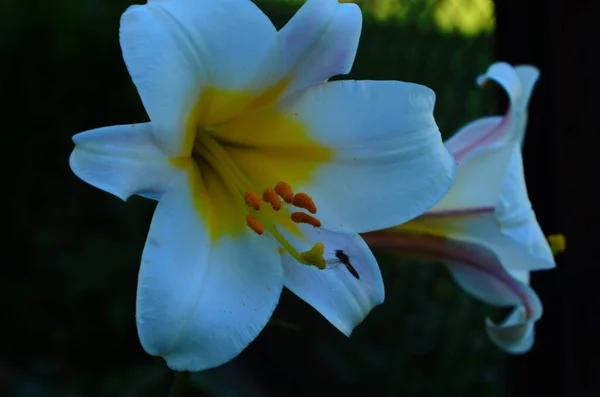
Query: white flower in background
[[484, 229], [264, 172]]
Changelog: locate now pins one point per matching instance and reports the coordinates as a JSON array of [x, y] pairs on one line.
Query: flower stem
[[180, 381]]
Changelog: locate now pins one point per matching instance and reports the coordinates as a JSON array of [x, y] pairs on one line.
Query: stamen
[[254, 224], [558, 243], [285, 191], [303, 200], [301, 217], [252, 200], [315, 256], [272, 198]]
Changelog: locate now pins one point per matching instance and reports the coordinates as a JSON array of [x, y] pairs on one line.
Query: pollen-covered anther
[[272, 198], [303, 200], [301, 217], [285, 191], [254, 224], [252, 200], [315, 256]]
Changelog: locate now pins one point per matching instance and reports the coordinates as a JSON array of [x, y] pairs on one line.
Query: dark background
[[72, 252]]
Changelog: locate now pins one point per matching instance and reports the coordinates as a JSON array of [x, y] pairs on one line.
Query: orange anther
[[303, 200], [252, 200], [254, 224], [301, 217], [272, 198], [285, 191]]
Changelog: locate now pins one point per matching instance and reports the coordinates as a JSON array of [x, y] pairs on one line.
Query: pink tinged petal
[[480, 273], [516, 333], [505, 75], [450, 213], [425, 235], [389, 163], [518, 83], [335, 292], [478, 134], [515, 214], [199, 304], [174, 49], [320, 41], [122, 160], [483, 230], [479, 179]]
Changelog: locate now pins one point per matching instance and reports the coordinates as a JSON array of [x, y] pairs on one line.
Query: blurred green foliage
[[73, 252]]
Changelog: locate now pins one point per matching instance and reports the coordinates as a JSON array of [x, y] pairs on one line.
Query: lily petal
[[505, 75], [338, 295], [528, 75], [516, 333], [175, 49], [320, 41], [479, 176], [488, 132], [480, 273], [482, 276], [518, 82], [199, 304], [383, 134], [515, 213], [122, 160], [479, 229]]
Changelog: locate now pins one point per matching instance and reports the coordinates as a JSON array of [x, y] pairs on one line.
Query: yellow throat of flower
[[238, 145]]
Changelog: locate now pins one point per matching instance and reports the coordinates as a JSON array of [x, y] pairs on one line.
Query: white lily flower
[[241, 118], [484, 229]]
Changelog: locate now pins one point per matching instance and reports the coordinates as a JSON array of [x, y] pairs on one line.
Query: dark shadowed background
[[68, 280]]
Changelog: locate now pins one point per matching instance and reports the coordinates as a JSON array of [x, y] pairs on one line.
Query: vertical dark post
[[562, 166]]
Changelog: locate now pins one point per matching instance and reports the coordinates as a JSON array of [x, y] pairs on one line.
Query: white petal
[[515, 214], [528, 76], [505, 75], [518, 82], [479, 272], [481, 230], [479, 179], [174, 49], [484, 230], [201, 302], [339, 296], [320, 41], [484, 133], [521, 275], [389, 163], [122, 160], [516, 333]]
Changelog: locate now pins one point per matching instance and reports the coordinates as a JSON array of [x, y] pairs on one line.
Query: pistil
[[210, 151]]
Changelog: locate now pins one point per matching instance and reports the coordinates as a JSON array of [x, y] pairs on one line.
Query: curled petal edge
[[479, 273]]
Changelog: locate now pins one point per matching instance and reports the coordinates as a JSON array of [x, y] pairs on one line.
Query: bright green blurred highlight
[[467, 17]]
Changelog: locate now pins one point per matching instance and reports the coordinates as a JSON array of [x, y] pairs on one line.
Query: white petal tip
[[515, 335], [79, 168]]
